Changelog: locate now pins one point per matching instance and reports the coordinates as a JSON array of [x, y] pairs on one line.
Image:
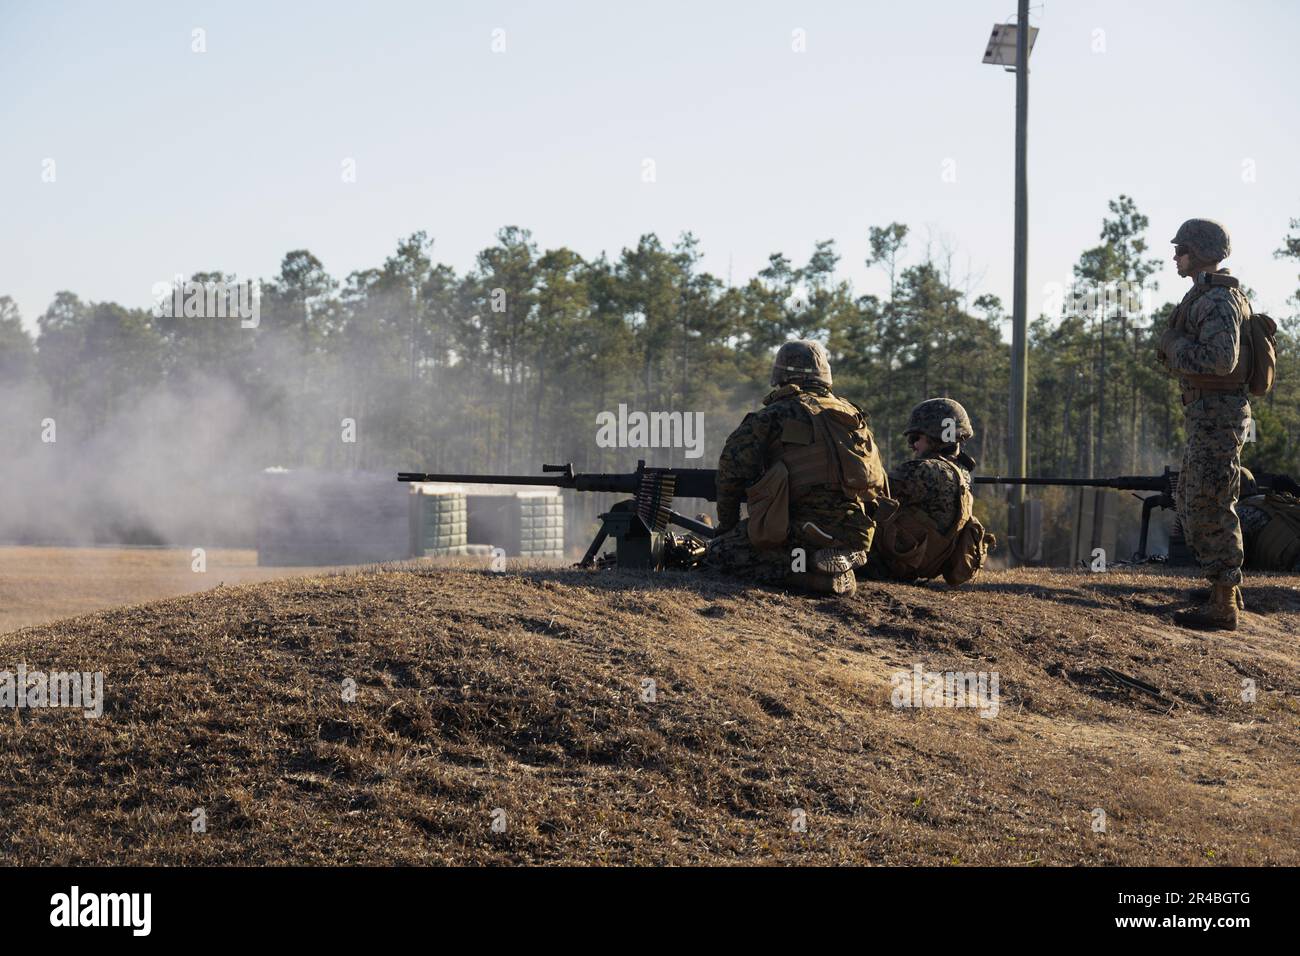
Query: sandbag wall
[[528, 524], [439, 524]]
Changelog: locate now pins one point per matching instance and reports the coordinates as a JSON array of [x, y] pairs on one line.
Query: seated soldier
[[1270, 527], [808, 466], [934, 531]]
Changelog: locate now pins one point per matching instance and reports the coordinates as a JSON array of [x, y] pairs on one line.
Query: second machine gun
[[1165, 487]]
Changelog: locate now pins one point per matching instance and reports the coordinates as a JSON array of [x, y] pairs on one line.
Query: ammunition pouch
[[968, 553], [769, 508]]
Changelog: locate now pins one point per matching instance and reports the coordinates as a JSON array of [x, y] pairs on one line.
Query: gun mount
[[639, 525]]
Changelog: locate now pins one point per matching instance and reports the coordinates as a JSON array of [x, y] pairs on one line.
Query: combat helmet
[[1207, 239], [941, 419], [804, 362]]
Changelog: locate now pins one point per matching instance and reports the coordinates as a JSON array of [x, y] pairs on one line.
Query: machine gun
[[640, 524], [1164, 487]]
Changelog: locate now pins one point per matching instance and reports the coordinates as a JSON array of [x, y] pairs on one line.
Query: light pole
[[1009, 47]]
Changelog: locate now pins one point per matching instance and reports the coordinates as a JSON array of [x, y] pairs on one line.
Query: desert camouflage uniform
[[1210, 477], [749, 449]]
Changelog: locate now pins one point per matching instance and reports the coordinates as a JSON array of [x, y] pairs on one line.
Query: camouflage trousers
[[732, 553], [844, 519], [1209, 482]]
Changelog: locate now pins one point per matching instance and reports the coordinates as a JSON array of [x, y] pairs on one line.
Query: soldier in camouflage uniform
[[1202, 346], [933, 483], [830, 524], [1270, 527]]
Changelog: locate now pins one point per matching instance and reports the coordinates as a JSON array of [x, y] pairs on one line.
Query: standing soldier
[[808, 466], [935, 504], [1202, 346]]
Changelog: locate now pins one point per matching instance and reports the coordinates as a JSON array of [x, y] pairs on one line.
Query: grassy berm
[[518, 698]]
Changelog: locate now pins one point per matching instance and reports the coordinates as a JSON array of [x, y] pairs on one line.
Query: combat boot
[[843, 584], [1201, 595], [1219, 613], [838, 560]]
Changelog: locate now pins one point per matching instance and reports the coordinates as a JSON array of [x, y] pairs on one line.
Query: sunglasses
[[1181, 250]]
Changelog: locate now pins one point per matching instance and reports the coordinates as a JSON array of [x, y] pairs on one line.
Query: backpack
[[968, 553], [1259, 353], [835, 447]]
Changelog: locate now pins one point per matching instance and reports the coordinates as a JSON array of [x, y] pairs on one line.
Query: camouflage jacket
[[752, 447], [930, 485], [1204, 337]]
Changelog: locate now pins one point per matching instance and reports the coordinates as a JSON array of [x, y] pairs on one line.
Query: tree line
[[508, 364]]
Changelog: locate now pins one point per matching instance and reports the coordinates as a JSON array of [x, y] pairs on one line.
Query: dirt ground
[[443, 715]]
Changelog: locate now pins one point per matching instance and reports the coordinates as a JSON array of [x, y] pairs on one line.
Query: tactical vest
[[910, 545], [1257, 349], [833, 450], [836, 450], [1277, 546]]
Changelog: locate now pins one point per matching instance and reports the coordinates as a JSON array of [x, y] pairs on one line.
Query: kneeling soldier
[[808, 466]]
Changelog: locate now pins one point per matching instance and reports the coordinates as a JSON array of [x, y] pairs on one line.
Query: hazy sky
[[167, 160]]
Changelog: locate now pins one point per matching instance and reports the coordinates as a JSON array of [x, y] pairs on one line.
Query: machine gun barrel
[[688, 482], [1121, 483], [640, 540], [1163, 486], [479, 479]]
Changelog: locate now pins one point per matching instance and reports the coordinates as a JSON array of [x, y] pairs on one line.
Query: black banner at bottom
[[334, 905]]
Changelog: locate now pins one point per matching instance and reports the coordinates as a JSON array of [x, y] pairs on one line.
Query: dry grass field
[[520, 698]]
